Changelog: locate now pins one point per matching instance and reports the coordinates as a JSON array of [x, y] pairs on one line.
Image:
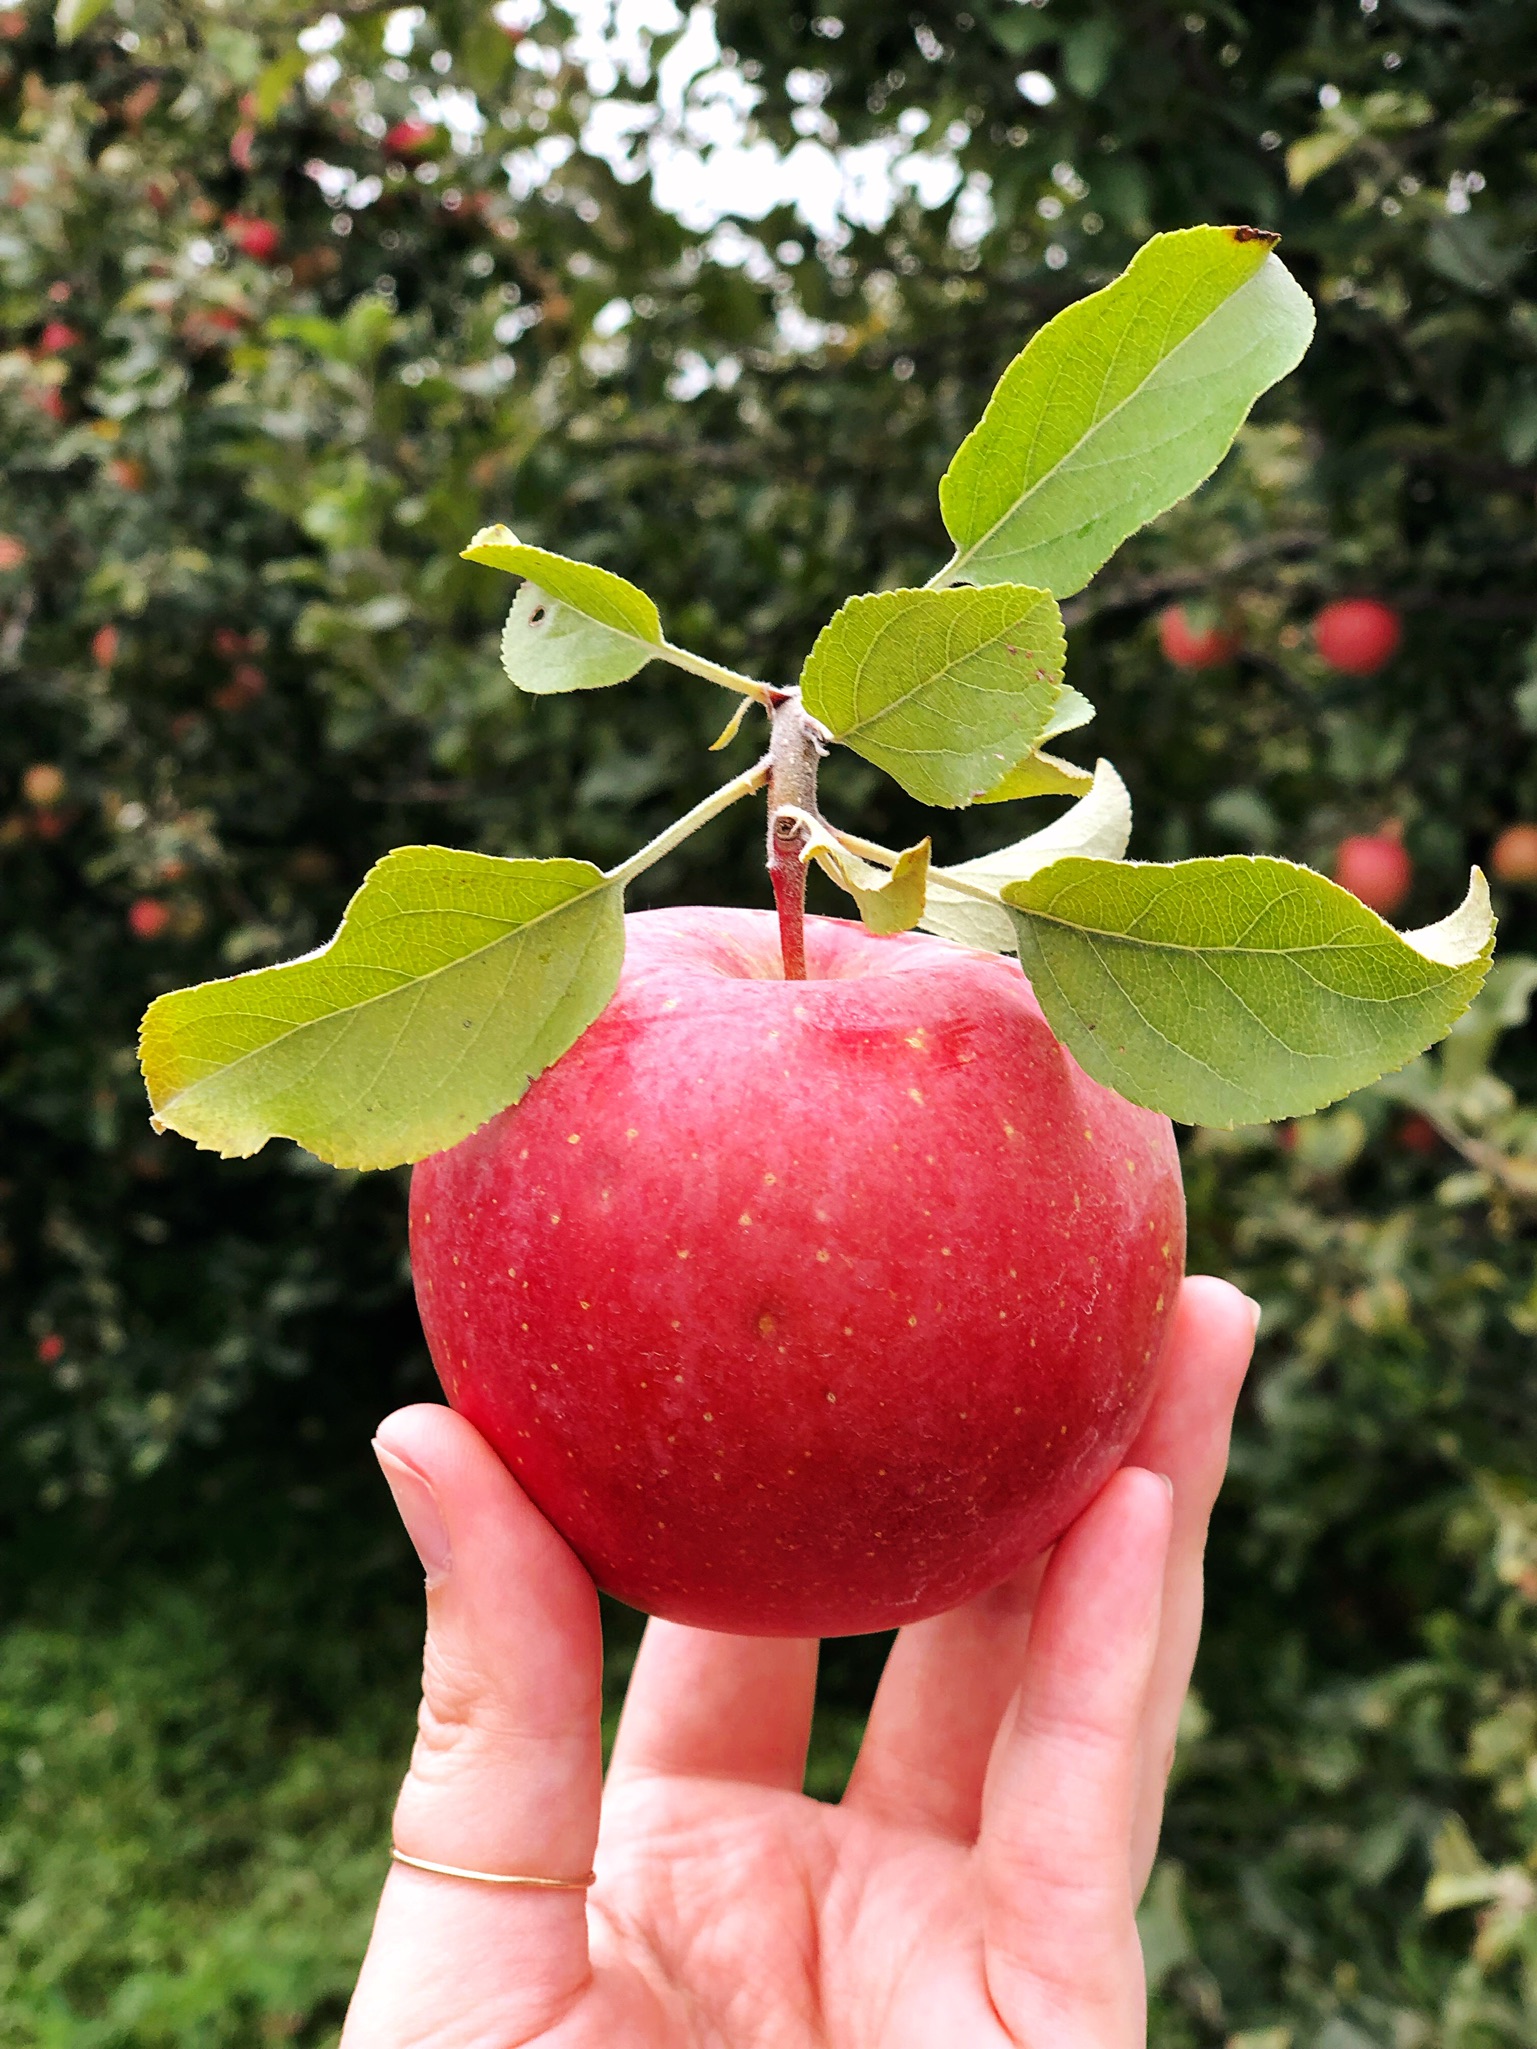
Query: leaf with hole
[[1120, 406], [1238, 989], [945, 690], [572, 626], [451, 982], [1098, 825]]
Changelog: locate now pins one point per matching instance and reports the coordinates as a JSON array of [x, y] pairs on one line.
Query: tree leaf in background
[[72, 18], [945, 690], [451, 982], [1098, 826], [572, 626], [1239, 989], [1120, 406]]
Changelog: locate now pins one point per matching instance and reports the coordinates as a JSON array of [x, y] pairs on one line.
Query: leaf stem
[[685, 827], [946, 576], [713, 672]]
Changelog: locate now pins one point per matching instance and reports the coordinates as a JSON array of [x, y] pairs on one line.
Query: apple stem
[[796, 745]]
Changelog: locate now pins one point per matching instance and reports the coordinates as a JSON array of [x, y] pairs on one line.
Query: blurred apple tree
[[292, 303]]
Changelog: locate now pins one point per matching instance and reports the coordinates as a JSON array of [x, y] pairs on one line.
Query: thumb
[[506, 1773]]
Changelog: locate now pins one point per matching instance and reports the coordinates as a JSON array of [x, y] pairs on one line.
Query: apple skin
[[1357, 636], [1193, 647], [1514, 855], [805, 1308], [1375, 867]]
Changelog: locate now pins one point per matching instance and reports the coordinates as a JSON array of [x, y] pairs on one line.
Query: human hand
[[978, 1882]]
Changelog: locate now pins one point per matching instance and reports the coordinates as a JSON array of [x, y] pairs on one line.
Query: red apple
[[1513, 856], [50, 1349], [407, 138], [1193, 647], [805, 1308], [252, 236], [1374, 867], [1418, 1135], [56, 337], [104, 646], [243, 688], [1357, 635], [148, 917]]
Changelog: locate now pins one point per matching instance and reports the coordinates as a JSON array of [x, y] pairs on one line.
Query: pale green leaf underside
[[1072, 710], [547, 647], [572, 626], [453, 980], [1240, 989], [1098, 825], [1120, 407], [945, 690], [1039, 775]]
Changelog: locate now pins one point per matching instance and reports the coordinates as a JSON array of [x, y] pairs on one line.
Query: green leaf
[[1099, 826], [889, 900], [72, 18], [1072, 710], [275, 82], [945, 690], [1311, 155], [1239, 989], [452, 981], [1120, 406], [572, 626], [1039, 775]]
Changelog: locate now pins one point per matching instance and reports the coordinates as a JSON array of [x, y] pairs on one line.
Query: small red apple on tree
[[1375, 866], [1358, 636], [1190, 645], [148, 917], [259, 239], [57, 337], [408, 138], [813, 1274], [1514, 855]]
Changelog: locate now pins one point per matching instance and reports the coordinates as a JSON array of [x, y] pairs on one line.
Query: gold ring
[[494, 1877]]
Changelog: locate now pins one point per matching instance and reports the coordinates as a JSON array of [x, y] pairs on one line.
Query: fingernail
[[1167, 1482], [1258, 1312], [419, 1511]]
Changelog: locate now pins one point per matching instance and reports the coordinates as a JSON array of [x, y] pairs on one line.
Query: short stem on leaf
[[716, 672], [796, 746]]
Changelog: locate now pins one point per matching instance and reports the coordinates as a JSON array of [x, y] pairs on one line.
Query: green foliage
[[1238, 989], [453, 980], [294, 460], [945, 690], [1121, 406]]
